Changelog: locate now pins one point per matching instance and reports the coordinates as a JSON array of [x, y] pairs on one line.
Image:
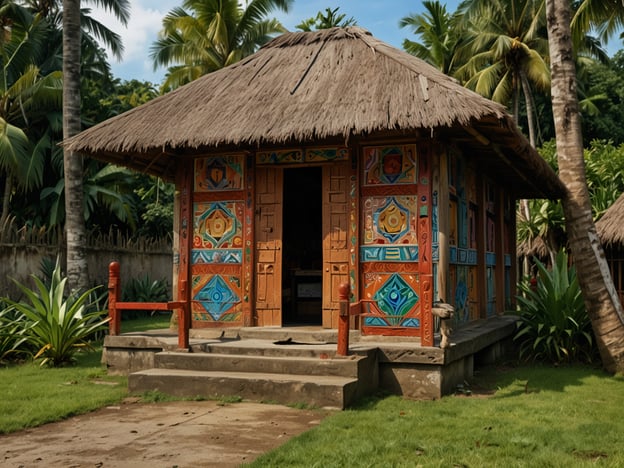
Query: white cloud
[[142, 30]]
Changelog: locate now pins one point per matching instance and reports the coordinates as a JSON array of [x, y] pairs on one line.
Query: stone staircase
[[281, 368]]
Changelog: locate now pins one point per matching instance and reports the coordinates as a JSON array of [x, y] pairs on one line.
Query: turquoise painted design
[[490, 292], [389, 254], [462, 314], [411, 322], [463, 256], [395, 298], [392, 220], [279, 157], [490, 259], [507, 260], [375, 322], [232, 256], [326, 154], [435, 253], [216, 297]]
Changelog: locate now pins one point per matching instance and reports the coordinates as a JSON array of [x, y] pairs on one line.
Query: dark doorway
[[302, 253]]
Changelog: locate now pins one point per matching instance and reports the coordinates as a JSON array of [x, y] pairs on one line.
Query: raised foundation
[[400, 366]]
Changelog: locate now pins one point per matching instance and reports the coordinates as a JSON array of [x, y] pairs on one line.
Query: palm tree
[[601, 299], [77, 271], [440, 34], [214, 34], [507, 44], [26, 100], [331, 19]]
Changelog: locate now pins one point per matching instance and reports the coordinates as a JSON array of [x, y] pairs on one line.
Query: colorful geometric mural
[[390, 165], [390, 220], [216, 298], [217, 225], [219, 173], [392, 300], [279, 156], [290, 156], [326, 154]]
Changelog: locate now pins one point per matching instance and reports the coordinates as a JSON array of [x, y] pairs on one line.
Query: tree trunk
[[601, 299], [77, 274]]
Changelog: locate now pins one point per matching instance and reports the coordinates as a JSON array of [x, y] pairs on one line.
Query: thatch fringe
[[311, 87], [610, 226]]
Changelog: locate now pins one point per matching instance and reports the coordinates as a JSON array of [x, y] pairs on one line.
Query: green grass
[[31, 395], [155, 322], [538, 417]]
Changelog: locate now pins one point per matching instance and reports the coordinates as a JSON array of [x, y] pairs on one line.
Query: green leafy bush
[[554, 325], [12, 335], [55, 324], [143, 289]]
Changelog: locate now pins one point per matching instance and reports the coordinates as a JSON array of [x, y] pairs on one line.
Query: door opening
[[302, 253]]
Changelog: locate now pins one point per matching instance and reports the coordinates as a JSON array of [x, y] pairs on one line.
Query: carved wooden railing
[[115, 307]]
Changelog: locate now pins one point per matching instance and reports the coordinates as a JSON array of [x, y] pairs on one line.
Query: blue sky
[[381, 18]]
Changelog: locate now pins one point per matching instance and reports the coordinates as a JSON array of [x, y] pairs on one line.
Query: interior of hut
[[302, 247]]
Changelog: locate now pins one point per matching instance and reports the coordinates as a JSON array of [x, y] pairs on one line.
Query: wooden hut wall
[[219, 269], [481, 240], [395, 244]]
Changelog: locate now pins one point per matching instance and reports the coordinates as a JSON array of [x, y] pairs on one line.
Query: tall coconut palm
[[77, 270], [440, 34], [205, 35], [507, 44], [601, 299]]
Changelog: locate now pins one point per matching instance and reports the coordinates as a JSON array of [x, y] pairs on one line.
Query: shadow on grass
[[516, 379]]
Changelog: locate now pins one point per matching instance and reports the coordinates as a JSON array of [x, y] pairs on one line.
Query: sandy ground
[[175, 434]]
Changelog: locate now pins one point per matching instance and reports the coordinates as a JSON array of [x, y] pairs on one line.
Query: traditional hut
[[330, 157], [611, 234]]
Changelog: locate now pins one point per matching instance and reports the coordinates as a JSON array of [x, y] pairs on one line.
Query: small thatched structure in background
[[610, 228]]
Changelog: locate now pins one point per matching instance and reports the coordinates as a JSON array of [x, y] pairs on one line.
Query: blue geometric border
[[203, 256], [393, 253]]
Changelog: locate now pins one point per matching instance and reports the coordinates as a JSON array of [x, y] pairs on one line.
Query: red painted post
[[184, 317], [344, 291], [114, 294]]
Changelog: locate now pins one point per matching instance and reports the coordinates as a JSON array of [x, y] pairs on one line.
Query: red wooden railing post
[[114, 294], [344, 291], [184, 317]]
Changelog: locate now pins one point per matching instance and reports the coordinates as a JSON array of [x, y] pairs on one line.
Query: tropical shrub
[[553, 324], [12, 335], [55, 324], [143, 289]]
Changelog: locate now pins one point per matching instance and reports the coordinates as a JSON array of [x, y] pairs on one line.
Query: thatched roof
[[610, 226], [301, 88]]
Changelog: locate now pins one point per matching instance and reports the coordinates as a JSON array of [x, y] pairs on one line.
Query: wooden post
[[114, 294], [184, 317], [344, 291], [443, 229]]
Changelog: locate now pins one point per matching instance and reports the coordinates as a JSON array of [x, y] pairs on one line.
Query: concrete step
[[320, 391], [261, 347], [315, 335], [282, 364]]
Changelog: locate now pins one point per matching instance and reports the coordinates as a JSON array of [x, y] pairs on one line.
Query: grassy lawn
[[31, 395], [541, 416]]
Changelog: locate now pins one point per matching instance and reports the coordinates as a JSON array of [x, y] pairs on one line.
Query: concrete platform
[[244, 362]]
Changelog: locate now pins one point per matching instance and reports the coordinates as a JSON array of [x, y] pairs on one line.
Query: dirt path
[[176, 434]]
